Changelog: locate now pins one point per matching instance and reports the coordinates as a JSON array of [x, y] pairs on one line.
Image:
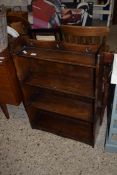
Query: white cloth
[[114, 70], [12, 32]]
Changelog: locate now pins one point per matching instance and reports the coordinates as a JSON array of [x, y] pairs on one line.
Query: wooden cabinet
[[9, 86], [62, 89]]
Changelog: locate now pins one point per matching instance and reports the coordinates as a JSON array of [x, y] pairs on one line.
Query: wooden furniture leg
[[5, 110]]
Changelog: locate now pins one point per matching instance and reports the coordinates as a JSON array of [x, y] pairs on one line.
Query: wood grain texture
[[62, 84], [10, 92]]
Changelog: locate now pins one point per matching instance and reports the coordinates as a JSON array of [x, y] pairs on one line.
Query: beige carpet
[[24, 151]]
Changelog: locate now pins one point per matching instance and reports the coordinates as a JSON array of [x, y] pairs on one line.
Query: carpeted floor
[[24, 151]]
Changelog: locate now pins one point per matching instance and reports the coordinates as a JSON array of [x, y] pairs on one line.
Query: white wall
[[14, 2]]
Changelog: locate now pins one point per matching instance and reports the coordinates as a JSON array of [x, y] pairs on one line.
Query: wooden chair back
[[84, 37]]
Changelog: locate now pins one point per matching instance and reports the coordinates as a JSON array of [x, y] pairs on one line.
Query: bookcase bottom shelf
[[66, 127]]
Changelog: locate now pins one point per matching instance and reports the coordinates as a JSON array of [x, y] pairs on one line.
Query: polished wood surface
[[9, 86], [87, 37], [70, 107], [62, 86], [65, 92], [64, 126], [84, 31]]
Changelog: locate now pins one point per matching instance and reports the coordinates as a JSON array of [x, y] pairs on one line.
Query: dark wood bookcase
[[62, 89]]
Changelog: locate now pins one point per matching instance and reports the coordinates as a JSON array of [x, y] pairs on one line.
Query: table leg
[[5, 110]]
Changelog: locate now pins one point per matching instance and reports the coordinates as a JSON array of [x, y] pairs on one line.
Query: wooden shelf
[[65, 106], [61, 56], [63, 84], [63, 126]]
